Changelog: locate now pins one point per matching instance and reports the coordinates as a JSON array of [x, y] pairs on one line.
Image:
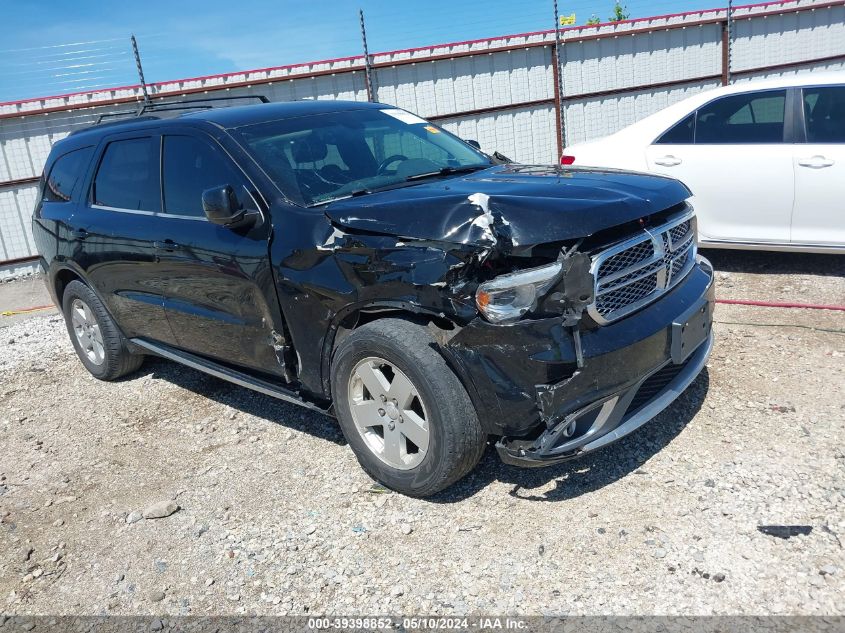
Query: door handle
[[79, 234], [668, 161], [167, 245], [815, 162]]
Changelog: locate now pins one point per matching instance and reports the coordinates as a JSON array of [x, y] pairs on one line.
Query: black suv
[[355, 259]]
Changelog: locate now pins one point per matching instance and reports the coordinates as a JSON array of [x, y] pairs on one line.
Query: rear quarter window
[[65, 174]]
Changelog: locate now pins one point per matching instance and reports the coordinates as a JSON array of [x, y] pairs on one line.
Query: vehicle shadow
[[242, 399], [770, 262], [591, 472], [571, 479]]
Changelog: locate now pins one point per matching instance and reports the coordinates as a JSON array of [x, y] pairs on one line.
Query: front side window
[[318, 158], [64, 175], [824, 114], [742, 119], [128, 176], [190, 166]]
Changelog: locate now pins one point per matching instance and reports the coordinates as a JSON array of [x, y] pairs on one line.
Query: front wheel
[[403, 411], [98, 342]]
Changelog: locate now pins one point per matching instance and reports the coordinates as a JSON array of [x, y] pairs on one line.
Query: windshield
[[319, 158]]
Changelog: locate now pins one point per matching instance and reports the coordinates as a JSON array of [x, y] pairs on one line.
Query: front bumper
[[529, 391], [610, 419]]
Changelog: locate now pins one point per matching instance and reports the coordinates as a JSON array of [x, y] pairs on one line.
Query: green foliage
[[620, 12], [594, 19]]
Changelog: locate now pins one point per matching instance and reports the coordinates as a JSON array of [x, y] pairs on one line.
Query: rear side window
[[65, 173], [190, 167], [742, 119], [824, 114], [680, 134], [128, 177]]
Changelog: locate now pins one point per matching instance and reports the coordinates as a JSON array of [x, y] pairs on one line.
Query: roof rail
[[102, 116], [168, 106]]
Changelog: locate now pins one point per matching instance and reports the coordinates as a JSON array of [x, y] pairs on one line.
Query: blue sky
[[53, 47]]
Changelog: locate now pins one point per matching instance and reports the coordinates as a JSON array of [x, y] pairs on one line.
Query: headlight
[[508, 297]]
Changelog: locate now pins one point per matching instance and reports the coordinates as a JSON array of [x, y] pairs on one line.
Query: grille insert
[[627, 294], [634, 273], [680, 232], [627, 258]]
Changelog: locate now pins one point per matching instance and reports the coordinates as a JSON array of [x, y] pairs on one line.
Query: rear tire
[[403, 411], [95, 337]]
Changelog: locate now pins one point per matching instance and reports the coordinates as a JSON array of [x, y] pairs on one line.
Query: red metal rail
[[163, 91], [567, 98]]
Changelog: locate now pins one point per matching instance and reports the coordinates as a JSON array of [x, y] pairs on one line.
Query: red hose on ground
[[778, 304]]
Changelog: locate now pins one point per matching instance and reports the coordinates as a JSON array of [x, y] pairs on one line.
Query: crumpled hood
[[525, 205]]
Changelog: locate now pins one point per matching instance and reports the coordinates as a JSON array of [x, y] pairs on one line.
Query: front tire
[[95, 337], [403, 411]]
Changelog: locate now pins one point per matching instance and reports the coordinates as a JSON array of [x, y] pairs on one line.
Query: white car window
[[682, 133], [756, 117], [740, 119], [824, 114]]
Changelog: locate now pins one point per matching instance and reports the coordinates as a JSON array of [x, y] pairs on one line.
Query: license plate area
[[691, 329]]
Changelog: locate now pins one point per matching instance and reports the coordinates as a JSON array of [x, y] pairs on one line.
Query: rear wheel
[[95, 337], [402, 409]]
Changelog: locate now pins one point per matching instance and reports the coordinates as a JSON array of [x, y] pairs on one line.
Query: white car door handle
[[668, 161], [815, 162]]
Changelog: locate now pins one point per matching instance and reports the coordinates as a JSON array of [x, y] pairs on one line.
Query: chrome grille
[[627, 294], [637, 271], [626, 259], [678, 233]]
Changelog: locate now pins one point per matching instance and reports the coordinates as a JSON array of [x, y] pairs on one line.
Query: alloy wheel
[[389, 413], [87, 331]]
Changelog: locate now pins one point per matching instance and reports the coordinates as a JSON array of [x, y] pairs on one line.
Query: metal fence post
[[368, 77], [140, 70], [559, 84]]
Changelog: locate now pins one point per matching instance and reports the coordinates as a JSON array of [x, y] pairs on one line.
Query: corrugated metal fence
[[501, 91]]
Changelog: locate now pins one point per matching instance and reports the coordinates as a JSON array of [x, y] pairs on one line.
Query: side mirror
[[474, 143], [221, 205]]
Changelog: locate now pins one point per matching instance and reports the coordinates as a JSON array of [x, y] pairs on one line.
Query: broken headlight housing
[[508, 297]]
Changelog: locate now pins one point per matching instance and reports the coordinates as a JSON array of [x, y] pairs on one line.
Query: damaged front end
[[525, 288], [551, 399], [634, 332]]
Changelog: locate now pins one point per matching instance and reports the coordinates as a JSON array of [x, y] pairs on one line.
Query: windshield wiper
[[364, 191], [352, 194], [447, 171]]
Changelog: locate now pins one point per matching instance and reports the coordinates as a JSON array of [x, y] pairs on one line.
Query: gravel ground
[[275, 516]]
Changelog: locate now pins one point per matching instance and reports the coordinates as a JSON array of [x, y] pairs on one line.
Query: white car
[[765, 160]]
